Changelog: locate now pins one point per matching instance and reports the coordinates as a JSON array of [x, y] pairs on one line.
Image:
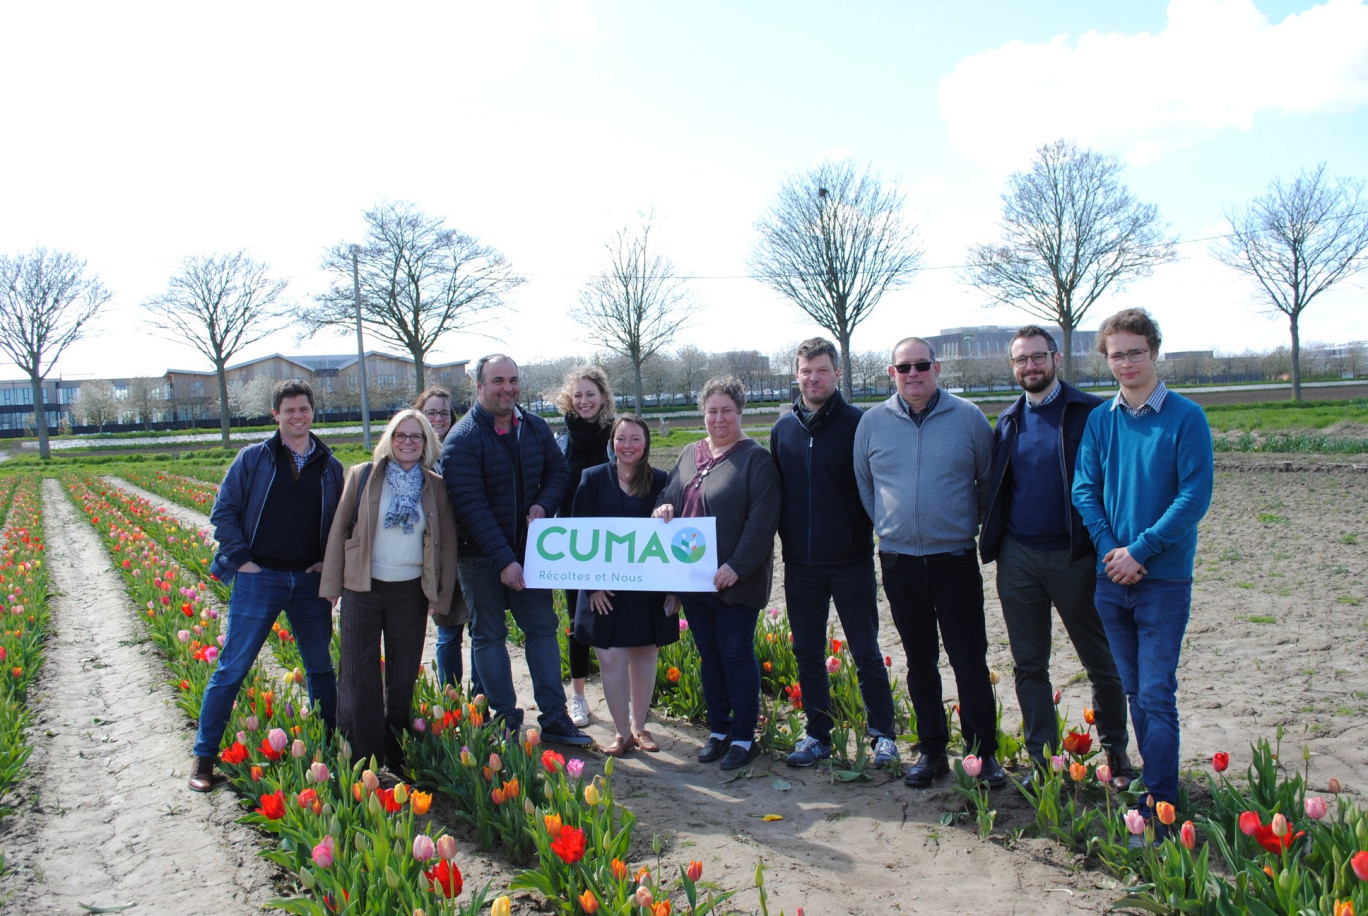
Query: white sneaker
[[579, 711], [885, 751]]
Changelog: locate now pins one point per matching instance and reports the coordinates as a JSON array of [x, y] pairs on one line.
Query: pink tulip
[[574, 767], [1104, 773], [183, 635], [423, 848], [972, 766], [446, 846], [495, 763], [252, 723], [1135, 822], [369, 780], [1057, 763], [323, 853], [211, 654], [298, 749], [278, 739], [532, 737], [1315, 807], [420, 725], [1279, 825], [833, 664], [1187, 835], [644, 897], [318, 772]]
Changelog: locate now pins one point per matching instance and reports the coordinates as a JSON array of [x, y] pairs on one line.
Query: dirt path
[[105, 818]]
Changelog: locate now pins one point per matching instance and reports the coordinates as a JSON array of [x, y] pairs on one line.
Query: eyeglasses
[[436, 414], [409, 437], [1037, 359], [923, 365], [1130, 356]]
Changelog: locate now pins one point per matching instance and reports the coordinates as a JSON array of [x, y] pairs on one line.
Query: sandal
[[645, 741], [620, 746]]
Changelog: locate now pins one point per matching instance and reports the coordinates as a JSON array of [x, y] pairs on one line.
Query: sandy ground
[[1279, 636]]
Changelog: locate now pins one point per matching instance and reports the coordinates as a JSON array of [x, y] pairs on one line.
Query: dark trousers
[[375, 696], [579, 652], [1028, 582], [725, 637], [943, 591], [810, 590]]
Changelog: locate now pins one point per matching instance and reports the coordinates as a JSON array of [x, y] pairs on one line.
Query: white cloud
[[1215, 66]]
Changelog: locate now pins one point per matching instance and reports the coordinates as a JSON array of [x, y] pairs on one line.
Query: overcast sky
[[137, 134]]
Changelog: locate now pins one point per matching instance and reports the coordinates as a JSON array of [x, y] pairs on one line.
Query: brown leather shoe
[[620, 746], [646, 742], [203, 778], [1123, 774]]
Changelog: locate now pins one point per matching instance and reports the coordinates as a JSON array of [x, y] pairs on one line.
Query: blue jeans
[[725, 636], [1145, 624], [532, 608], [450, 669], [810, 591], [256, 602]]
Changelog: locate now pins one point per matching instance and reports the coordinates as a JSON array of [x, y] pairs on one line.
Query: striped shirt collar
[[1047, 400], [1154, 403]]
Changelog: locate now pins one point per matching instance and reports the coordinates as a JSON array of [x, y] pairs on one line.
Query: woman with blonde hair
[[392, 554], [626, 629], [586, 400]]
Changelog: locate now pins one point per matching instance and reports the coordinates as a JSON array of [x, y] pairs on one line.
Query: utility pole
[[361, 348]]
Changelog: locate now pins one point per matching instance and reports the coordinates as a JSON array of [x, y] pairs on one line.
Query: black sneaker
[[992, 773], [561, 730], [713, 749], [927, 769], [739, 756]]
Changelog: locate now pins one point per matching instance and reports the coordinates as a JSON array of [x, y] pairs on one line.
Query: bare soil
[[1278, 637]]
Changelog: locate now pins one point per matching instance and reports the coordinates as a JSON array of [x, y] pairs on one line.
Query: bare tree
[[219, 304], [695, 368], [419, 280], [637, 304], [1070, 232], [95, 404], [1297, 241], [145, 398], [46, 300], [833, 242]]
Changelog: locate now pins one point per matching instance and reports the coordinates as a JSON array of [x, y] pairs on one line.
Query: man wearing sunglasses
[[1043, 553], [1142, 484], [922, 463]]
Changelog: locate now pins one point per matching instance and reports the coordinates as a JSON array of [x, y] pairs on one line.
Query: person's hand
[[671, 605], [725, 577], [333, 602], [599, 601], [1122, 568], [249, 567], [433, 612], [664, 512], [512, 576], [535, 513], [317, 567]]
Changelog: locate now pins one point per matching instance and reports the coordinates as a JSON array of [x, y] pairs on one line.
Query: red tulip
[[695, 870], [1360, 865], [446, 876], [273, 805], [1187, 835], [1249, 823], [1219, 761], [1078, 743], [569, 845]]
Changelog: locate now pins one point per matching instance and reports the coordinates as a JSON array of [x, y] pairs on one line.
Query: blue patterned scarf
[[407, 487]]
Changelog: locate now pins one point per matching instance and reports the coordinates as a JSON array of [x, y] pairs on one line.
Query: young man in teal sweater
[[1142, 483]]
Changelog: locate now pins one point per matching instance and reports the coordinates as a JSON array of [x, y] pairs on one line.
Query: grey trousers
[[1028, 582]]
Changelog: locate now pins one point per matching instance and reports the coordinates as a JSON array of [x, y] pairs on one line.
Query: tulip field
[[1273, 690]]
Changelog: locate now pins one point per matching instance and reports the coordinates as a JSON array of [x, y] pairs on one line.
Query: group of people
[[1086, 505]]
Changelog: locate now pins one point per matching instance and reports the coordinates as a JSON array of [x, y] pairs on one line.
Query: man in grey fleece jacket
[[923, 461]]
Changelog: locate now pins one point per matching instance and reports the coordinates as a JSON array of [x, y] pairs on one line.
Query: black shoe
[[927, 769], [713, 749], [1123, 774], [992, 773], [739, 756], [561, 730]]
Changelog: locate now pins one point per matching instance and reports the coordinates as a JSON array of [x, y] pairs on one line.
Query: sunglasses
[[921, 366]]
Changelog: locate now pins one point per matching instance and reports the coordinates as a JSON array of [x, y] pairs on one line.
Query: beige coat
[[347, 560]]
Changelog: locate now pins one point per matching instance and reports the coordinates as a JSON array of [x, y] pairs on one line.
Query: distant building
[[16, 404], [996, 340]]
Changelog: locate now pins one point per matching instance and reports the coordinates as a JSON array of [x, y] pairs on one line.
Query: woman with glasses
[[391, 554], [587, 402], [435, 405], [732, 478]]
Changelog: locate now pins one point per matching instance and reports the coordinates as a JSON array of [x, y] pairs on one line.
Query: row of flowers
[[337, 827], [24, 616]]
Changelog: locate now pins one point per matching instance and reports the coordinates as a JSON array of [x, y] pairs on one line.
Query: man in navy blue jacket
[[271, 518], [828, 553], [503, 470], [1044, 555]]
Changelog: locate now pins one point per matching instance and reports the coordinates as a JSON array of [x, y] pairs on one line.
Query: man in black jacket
[[503, 470], [828, 553], [1043, 552]]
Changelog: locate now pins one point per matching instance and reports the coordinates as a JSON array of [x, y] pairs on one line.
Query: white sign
[[622, 554]]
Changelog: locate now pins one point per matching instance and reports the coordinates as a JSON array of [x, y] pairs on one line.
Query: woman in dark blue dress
[[626, 629]]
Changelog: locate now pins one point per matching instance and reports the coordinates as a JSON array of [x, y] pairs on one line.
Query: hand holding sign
[[624, 554]]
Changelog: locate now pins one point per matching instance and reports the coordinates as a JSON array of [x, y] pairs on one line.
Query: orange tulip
[[588, 902], [420, 802]]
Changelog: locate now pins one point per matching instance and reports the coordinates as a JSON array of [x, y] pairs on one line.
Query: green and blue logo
[[688, 546]]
